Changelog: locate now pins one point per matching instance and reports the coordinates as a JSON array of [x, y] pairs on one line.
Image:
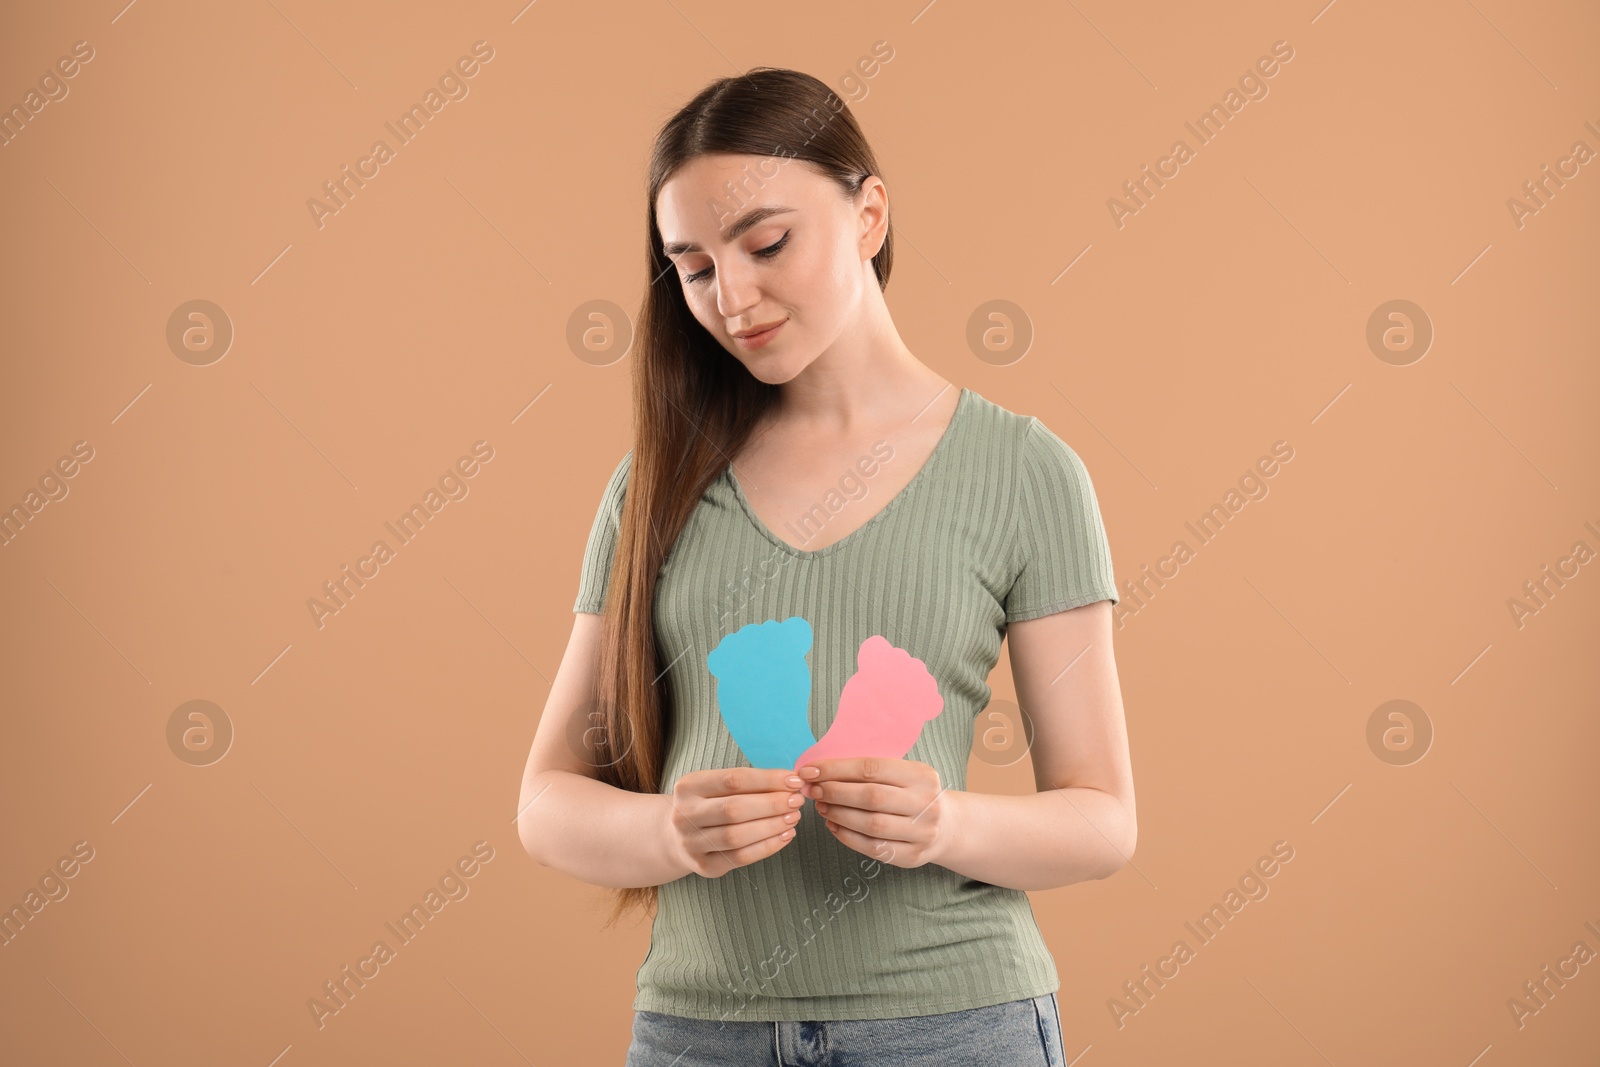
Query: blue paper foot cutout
[[764, 689]]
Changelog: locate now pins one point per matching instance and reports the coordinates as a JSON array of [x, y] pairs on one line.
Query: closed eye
[[765, 253]]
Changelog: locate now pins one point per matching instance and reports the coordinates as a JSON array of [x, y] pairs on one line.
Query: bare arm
[[570, 820], [712, 821], [1081, 823]]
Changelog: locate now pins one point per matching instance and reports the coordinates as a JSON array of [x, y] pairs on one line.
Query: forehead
[[699, 203]]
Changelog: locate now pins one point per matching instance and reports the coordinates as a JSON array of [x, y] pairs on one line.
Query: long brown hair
[[694, 404]]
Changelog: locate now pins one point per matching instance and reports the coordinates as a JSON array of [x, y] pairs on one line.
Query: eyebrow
[[753, 217]]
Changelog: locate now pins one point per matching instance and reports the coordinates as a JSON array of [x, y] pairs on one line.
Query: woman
[[815, 536]]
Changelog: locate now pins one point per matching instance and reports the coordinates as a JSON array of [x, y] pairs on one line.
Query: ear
[[873, 215]]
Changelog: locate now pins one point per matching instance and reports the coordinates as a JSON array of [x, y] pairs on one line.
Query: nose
[[736, 290]]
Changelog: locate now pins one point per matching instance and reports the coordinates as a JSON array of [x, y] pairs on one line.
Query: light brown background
[[432, 312]]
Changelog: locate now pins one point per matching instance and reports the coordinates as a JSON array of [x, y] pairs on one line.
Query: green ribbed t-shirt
[[1001, 524]]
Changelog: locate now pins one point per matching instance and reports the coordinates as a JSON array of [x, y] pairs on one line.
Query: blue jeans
[[1018, 1033]]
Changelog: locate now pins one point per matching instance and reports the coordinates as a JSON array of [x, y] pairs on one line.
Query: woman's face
[[787, 251]]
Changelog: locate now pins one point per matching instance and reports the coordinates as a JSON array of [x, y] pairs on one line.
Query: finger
[[879, 849], [703, 818], [868, 823], [695, 837], [716, 798], [871, 796], [743, 834], [862, 769], [743, 807], [711, 815], [751, 853], [735, 780]]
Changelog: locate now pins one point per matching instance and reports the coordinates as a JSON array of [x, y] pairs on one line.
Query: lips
[[758, 330], [756, 340]]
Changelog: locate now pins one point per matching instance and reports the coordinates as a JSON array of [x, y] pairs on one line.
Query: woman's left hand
[[893, 810]]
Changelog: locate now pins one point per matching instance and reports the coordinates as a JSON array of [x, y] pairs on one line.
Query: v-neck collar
[[939, 448]]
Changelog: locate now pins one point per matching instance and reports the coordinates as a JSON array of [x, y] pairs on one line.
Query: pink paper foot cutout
[[882, 707]]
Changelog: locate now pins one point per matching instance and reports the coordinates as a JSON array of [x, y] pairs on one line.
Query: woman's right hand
[[721, 819]]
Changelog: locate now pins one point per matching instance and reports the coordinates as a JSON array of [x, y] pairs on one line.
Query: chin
[[770, 371], [770, 375]]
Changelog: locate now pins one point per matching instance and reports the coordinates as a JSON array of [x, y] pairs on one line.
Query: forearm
[[1038, 841], [596, 832]]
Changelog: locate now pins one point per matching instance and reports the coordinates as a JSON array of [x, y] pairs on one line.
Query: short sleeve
[[1063, 559], [602, 546]]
